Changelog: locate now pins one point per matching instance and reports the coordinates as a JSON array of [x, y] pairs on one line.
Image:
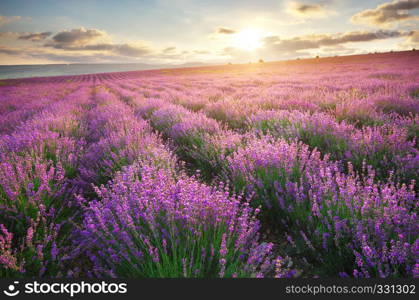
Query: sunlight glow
[[248, 39]]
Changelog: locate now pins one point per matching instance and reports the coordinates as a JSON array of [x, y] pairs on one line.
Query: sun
[[248, 39]]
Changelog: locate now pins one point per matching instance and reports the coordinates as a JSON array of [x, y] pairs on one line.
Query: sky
[[207, 31]]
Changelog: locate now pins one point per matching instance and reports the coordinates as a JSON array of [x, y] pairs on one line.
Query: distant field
[[298, 168]]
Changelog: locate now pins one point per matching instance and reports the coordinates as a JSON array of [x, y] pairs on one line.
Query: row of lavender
[[37, 160], [150, 220], [388, 143], [328, 216]]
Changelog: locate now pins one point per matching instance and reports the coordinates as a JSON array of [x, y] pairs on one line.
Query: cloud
[[9, 35], [279, 47], [35, 37], [225, 30], [338, 49], [413, 37], [72, 58], [233, 51], [305, 11], [131, 50], [77, 45], [327, 40], [201, 52], [10, 51], [412, 40], [81, 39], [6, 19], [387, 13], [118, 53], [169, 49], [76, 37]]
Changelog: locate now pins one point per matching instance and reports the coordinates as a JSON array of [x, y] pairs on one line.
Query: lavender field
[[301, 168]]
